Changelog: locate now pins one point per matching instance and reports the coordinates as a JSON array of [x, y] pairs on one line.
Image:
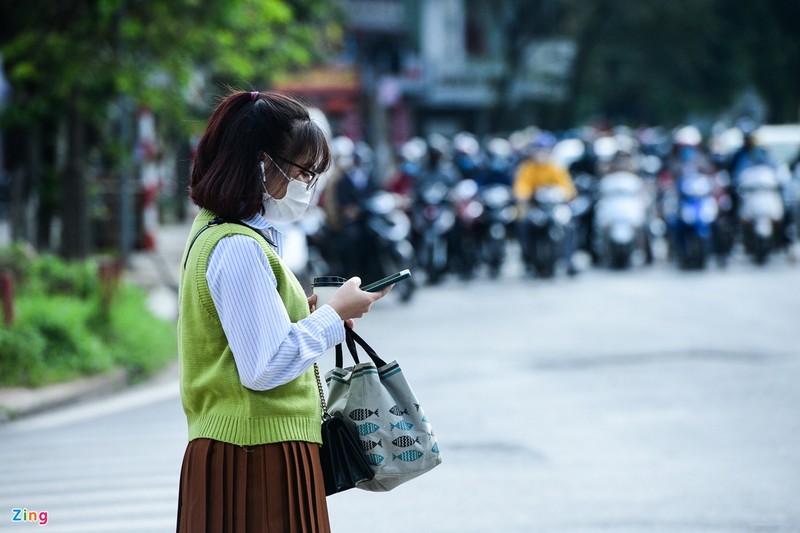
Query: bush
[[63, 330], [137, 339]]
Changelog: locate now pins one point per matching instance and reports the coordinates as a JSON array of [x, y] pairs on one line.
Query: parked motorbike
[[498, 213], [760, 211], [621, 227], [546, 227], [433, 218], [691, 215]]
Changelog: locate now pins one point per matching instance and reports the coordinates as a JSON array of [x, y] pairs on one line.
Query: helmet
[[362, 153], [343, 150], [687, 136], [438, 143], [414, 149], [499, 147], [466, 143], [544, 139]]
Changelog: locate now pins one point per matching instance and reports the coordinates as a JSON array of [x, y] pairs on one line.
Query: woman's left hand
[[312, 306]]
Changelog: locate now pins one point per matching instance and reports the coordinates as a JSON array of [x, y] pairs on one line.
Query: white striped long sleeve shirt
[[268, 349]]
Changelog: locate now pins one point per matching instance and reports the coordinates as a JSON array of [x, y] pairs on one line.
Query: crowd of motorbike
[[452, 208]]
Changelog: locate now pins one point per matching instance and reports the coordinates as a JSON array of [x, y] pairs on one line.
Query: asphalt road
[[651, 400]]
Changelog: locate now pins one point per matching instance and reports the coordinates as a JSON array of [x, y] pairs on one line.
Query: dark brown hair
[[226, 178]]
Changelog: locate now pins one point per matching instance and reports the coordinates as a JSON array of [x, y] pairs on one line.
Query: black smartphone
[[388, 280]]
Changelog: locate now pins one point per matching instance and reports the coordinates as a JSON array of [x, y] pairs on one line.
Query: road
[[652, 400]]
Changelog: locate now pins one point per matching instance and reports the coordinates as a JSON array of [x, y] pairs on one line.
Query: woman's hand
[[351, 302]]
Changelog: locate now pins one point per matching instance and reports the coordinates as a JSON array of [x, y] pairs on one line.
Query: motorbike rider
[[436, 166], [752, 153], [467, 155], [410, 157], [539, 169], [499, 163], [352, 190]]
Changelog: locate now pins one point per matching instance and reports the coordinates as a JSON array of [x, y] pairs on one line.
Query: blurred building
[[413, 67]]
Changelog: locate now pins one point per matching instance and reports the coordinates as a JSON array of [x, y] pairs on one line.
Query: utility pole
[[5, 96]]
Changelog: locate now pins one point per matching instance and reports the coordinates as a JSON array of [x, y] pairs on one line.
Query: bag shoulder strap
[[222, 220], [352, 338]]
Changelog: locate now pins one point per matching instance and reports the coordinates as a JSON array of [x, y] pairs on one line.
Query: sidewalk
[[158, 273]]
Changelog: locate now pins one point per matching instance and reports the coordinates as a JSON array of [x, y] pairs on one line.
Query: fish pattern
[[435, 448], [368, 445], [405, 441], [367, 428], [398, 411], [362, 414], [375, 459], [408, 455], [402, 425]]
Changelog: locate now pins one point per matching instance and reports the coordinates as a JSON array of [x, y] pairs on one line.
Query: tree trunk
[[75, 210]]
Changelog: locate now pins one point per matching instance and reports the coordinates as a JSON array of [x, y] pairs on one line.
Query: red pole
[[7, 296]]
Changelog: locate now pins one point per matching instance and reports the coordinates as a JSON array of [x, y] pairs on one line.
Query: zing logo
[[24, 515]]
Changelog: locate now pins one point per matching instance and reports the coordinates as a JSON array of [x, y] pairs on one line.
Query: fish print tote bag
[[392, 426]]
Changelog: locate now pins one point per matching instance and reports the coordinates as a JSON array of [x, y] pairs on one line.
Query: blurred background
[[599, 202], [102, 101]]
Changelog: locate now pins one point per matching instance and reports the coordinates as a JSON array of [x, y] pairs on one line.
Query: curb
[[18, 402], [151, 272]]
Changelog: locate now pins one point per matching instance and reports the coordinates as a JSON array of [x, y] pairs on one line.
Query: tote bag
[[392, 426]]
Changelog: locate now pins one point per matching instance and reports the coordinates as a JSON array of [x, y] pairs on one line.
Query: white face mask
[[291, 206]]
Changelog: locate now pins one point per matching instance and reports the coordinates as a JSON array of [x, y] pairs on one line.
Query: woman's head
[[248, 132]]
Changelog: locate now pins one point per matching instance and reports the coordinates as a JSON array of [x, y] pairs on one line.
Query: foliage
[[62, 330], [88, 53], [80, 70], [136, 338], [660, 62]]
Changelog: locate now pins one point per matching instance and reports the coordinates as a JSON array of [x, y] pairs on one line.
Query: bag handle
[[352, 338]]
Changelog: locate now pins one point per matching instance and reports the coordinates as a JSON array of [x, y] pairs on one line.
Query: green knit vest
[[216, 404]]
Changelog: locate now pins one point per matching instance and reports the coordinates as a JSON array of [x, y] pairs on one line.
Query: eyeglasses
[[309, 177]]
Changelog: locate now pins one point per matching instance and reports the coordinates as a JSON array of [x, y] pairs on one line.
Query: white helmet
[[687, 136], [343, 149], [414, 149]]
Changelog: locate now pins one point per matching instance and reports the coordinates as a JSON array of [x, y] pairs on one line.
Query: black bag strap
[[351, 339], [222, 220]]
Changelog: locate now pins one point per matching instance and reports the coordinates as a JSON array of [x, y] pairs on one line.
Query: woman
[[247, 335]]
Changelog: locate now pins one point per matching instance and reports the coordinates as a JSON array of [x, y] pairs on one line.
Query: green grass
[[64, 329]]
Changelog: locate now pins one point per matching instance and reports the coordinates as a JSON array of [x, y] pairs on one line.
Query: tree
[[73, 63], [660, 62]]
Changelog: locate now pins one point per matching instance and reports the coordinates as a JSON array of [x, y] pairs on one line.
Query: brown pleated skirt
[[267, 488]]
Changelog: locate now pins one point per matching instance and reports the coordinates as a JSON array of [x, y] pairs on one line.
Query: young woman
[[247, 335]]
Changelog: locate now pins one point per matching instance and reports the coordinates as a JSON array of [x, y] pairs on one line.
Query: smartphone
[[388, 280]]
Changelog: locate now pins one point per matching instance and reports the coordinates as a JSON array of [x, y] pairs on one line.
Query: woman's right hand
[[351, 302]]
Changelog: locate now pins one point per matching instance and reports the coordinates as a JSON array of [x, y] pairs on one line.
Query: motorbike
[[465, 249], [583, 211], [433, 219], [389, 228], [621, 228], [498, 213], [546, 228], [760, 211], [691, 215]]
